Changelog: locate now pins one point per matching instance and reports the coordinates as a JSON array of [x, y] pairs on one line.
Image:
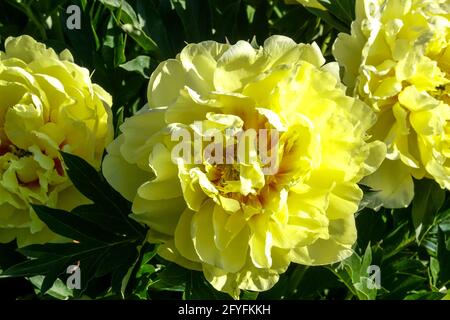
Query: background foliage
[[121, 42]]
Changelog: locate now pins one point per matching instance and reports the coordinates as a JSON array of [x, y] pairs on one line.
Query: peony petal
[[183, 239], [122, 175], [393, 185], [165, 84], [327, 251], [260, 241], [160, 215], [27, 49]]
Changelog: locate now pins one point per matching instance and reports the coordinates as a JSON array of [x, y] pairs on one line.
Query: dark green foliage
[[122, 42]]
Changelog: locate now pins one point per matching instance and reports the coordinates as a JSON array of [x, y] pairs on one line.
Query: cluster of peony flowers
[[47, 104], [242, 227], [397, 60], [236, 217]]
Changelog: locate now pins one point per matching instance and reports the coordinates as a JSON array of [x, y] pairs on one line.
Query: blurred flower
[[397, 60], [47, 104], [229, 215]]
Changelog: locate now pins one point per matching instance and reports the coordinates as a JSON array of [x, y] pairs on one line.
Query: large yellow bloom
[[242, 227], [47, 104], [397, 59]]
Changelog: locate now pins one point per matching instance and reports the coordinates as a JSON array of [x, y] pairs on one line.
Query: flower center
[[20, 153], [10, 148], [442, 93]]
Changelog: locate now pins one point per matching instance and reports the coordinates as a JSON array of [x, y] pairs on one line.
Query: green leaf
[[100, 252], [429, 198], [116, 256], [425, 295], [344, 10], [33, 267], [314, 281], [443, 256], [163, 25], [397, 239], [121, 275], [434, 270], [95, 259], [119, 50], [405, 284], [197, 288], [91, 184], [196, 19], [403, 274], [373, 225], [143, 272], [52, 249], [89, 264], [330, 19], [354, 272], [226, 20], [260, 23], [150, 252], [72, 226], [102, 219], [171, 278], [249, 295], [82, 42], [130, 23], [59, 290], [106, 246], [9, 255], [52, 274], [146, 270], [140, 65]]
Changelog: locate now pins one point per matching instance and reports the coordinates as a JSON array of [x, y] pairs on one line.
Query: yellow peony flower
[[308, 3], [242, 219], [397, 60], [47, 104]]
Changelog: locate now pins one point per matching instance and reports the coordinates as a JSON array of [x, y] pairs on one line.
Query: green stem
[[29, 13], [407, 243], [296, 278]]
